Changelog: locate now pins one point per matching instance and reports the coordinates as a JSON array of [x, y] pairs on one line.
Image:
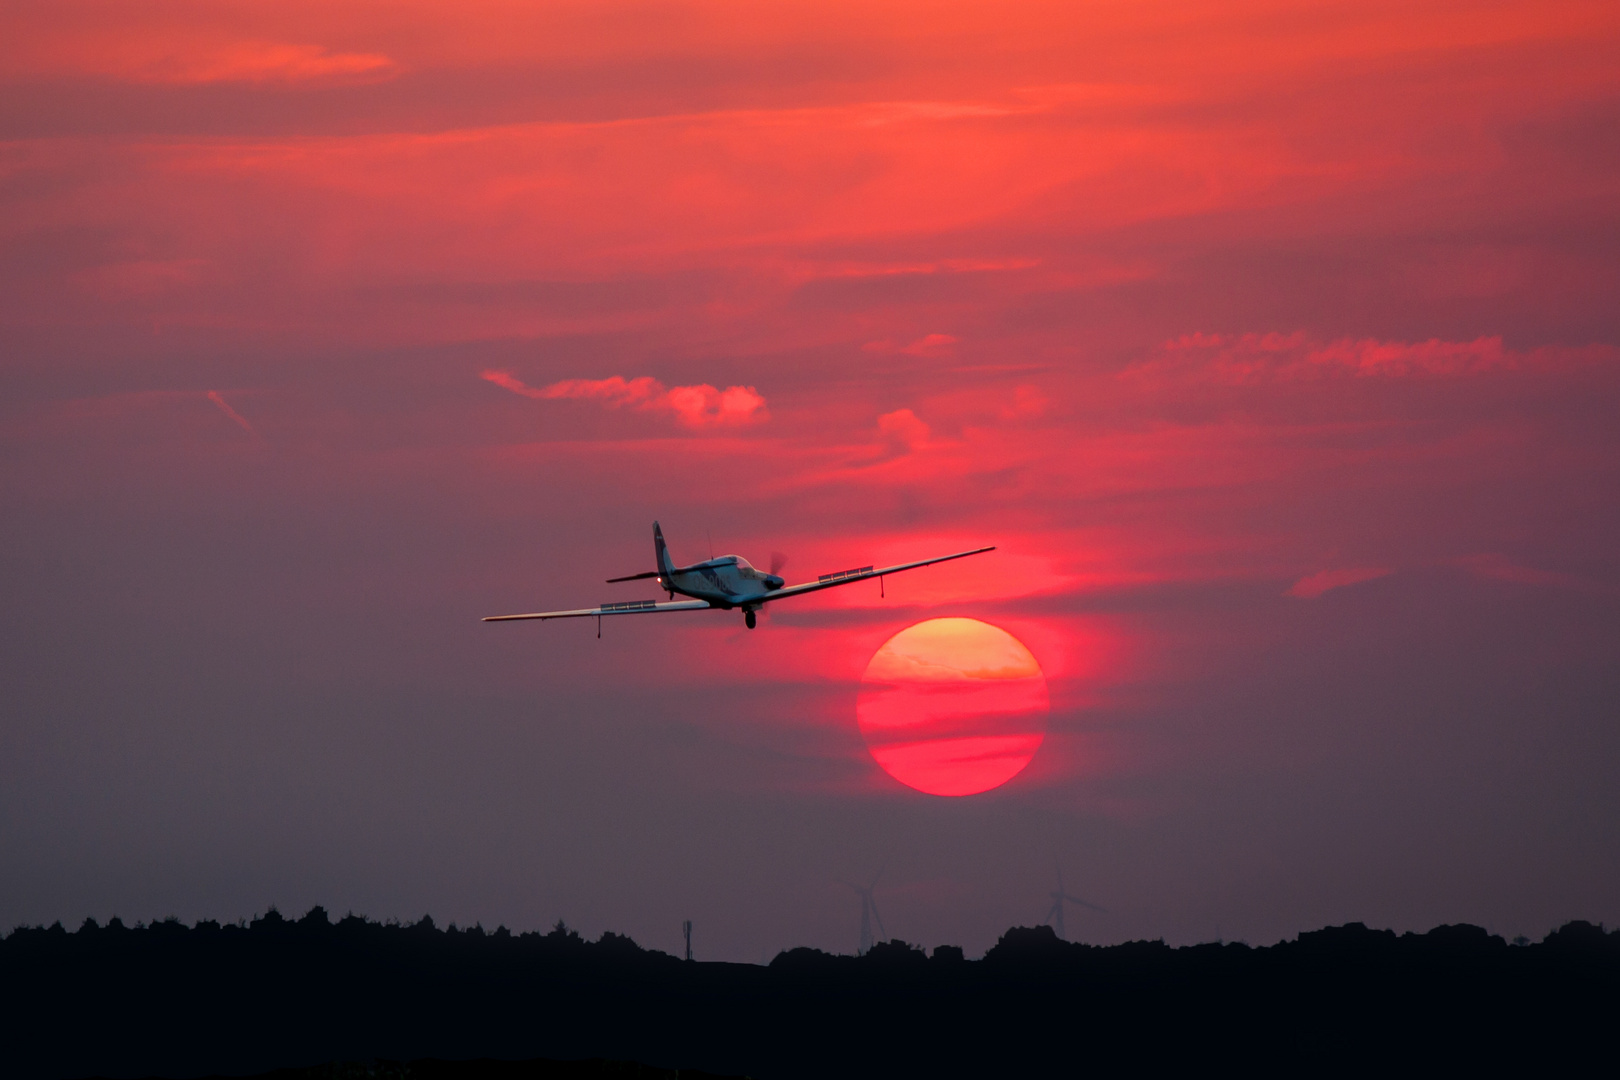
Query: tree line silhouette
[[172, 1000]]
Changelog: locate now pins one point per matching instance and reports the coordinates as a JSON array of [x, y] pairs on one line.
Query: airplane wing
[[844, 577], [628, 607], [721, 561]]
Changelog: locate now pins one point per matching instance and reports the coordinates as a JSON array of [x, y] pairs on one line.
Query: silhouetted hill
[[180, 1001]]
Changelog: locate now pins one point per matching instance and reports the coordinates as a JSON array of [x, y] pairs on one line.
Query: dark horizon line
[[317, 918]]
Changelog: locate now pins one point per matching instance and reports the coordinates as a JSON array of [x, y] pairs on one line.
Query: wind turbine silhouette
[[869, 912], [1055, 916]]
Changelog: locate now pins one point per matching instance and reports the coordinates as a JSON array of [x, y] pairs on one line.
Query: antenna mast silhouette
[[869, 913], [1055, 915], [686, 928]]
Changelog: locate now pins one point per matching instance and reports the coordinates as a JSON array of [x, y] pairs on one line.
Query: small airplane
[[726, 582]]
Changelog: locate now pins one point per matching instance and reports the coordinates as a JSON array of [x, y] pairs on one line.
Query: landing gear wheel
[[749, 617]]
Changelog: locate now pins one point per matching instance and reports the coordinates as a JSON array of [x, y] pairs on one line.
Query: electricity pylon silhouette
[[1055, 916]]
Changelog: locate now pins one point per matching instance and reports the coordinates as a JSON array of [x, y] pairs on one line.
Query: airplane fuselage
[[728, 581]]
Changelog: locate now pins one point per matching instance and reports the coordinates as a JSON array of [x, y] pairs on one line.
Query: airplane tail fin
[[666, 566]]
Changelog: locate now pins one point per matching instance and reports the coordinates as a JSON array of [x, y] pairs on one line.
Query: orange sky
[[1262, 339]]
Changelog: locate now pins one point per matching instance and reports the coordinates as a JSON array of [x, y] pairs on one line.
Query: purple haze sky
[[1275, 344]]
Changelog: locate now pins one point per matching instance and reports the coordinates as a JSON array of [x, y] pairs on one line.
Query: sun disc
[[953, 706]]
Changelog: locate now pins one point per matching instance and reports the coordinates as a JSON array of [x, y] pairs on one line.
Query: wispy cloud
[[1494, 566], [927, 345], [899, 112], [192, 60], [268, 61], [1309, 588], [1251, 357], [1433, 357], [1028, 402], [700, 406], [847, 269], [224, 407]]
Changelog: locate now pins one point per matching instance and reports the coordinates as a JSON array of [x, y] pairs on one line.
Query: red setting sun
[[953, 706]]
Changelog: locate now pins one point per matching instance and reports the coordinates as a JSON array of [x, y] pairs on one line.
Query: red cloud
[[698, 406], [927, 345], [1241, 358], [263, 61], [236, 417], [904, 429], [1498, 567], [1309, 588], [1432, 357], [1027, 403], [189, 59]]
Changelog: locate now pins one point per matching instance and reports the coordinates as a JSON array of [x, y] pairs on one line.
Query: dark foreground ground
[[487, 1069], [176, 1001]]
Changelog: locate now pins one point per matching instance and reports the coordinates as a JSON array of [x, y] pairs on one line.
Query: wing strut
[[627, 607]]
